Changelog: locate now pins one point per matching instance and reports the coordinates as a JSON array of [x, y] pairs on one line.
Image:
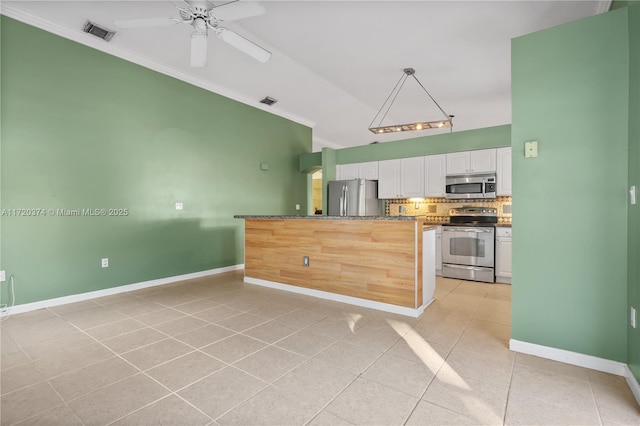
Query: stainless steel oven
[[468, 244]]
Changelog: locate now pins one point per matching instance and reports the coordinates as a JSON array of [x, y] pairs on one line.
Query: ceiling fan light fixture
[[388, 103], [198, 49]]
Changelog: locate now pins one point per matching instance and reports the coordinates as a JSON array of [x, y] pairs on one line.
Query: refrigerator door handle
[[346, 198]]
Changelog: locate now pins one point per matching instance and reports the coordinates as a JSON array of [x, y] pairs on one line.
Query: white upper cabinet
[[480, 161], [503, 173], [412, 177], [457, 163], [368, 170], [389, 179], [401, 178], [435, 172], [346, 171]]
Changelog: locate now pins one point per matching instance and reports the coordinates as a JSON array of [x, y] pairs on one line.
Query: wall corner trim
[[28, 307], [632, 382], [569, 357]]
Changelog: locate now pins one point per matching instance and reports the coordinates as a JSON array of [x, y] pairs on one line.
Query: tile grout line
[[595, 401], [506, 405], [272, 383], [445, 361], [140, 371]]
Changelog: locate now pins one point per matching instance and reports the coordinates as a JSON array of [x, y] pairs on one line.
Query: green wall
[[85, 130], [489, 137], [633, 335], [570, 92]]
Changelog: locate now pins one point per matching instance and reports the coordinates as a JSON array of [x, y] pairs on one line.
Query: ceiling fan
[[204, 17]]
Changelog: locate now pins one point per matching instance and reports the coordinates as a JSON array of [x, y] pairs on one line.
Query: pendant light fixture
[[377, 127]]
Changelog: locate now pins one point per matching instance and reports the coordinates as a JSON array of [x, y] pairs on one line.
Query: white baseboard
[[380, 306], [27, 307], [632, 382], [569, 357]]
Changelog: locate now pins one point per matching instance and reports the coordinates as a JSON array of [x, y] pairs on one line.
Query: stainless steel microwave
[[481, 185]]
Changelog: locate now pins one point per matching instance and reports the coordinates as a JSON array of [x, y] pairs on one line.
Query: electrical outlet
[[305, 260], [105, 262], [179, 206], [633, 317], [3, 277], [297, 206]]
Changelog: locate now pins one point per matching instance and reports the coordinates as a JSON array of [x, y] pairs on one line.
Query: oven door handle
[[461, 229], [466, 268]]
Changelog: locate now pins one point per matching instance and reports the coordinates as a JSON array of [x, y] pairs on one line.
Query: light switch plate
[[632, 195], [531, 149]]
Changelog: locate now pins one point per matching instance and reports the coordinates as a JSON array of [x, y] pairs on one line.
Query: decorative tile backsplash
[[437, 209]]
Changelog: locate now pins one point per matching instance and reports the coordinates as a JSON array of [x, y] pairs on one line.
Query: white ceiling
[[335, 62]]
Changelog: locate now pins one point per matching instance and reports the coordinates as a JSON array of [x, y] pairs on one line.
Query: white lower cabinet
[[439, 250], [503, 255]]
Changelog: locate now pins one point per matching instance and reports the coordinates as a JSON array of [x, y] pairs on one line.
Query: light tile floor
[[218, 351]]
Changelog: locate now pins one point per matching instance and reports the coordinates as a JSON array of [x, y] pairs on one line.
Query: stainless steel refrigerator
[[357, 197]]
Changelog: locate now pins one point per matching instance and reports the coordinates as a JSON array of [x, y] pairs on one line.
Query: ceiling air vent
[[97, 31], [268, 101]]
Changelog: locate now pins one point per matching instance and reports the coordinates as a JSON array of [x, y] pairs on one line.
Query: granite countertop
[[239, 216], [503, 225]]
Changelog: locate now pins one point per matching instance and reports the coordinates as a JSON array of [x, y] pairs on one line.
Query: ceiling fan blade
[[198, 49], [244, 45], [237, 10], [126, 24]]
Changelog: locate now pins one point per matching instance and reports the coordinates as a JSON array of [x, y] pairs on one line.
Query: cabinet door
[[389, 179], [503, 257], [439, 253], [503, 173], [346, 171], [457, 163], [368, 170], [434, 175], [483, 160], [412, 177]]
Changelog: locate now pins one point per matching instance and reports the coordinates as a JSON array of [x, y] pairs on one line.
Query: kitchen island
[[380, 262]]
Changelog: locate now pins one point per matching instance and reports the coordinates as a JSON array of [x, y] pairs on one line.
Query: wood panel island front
[[380, 262]]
